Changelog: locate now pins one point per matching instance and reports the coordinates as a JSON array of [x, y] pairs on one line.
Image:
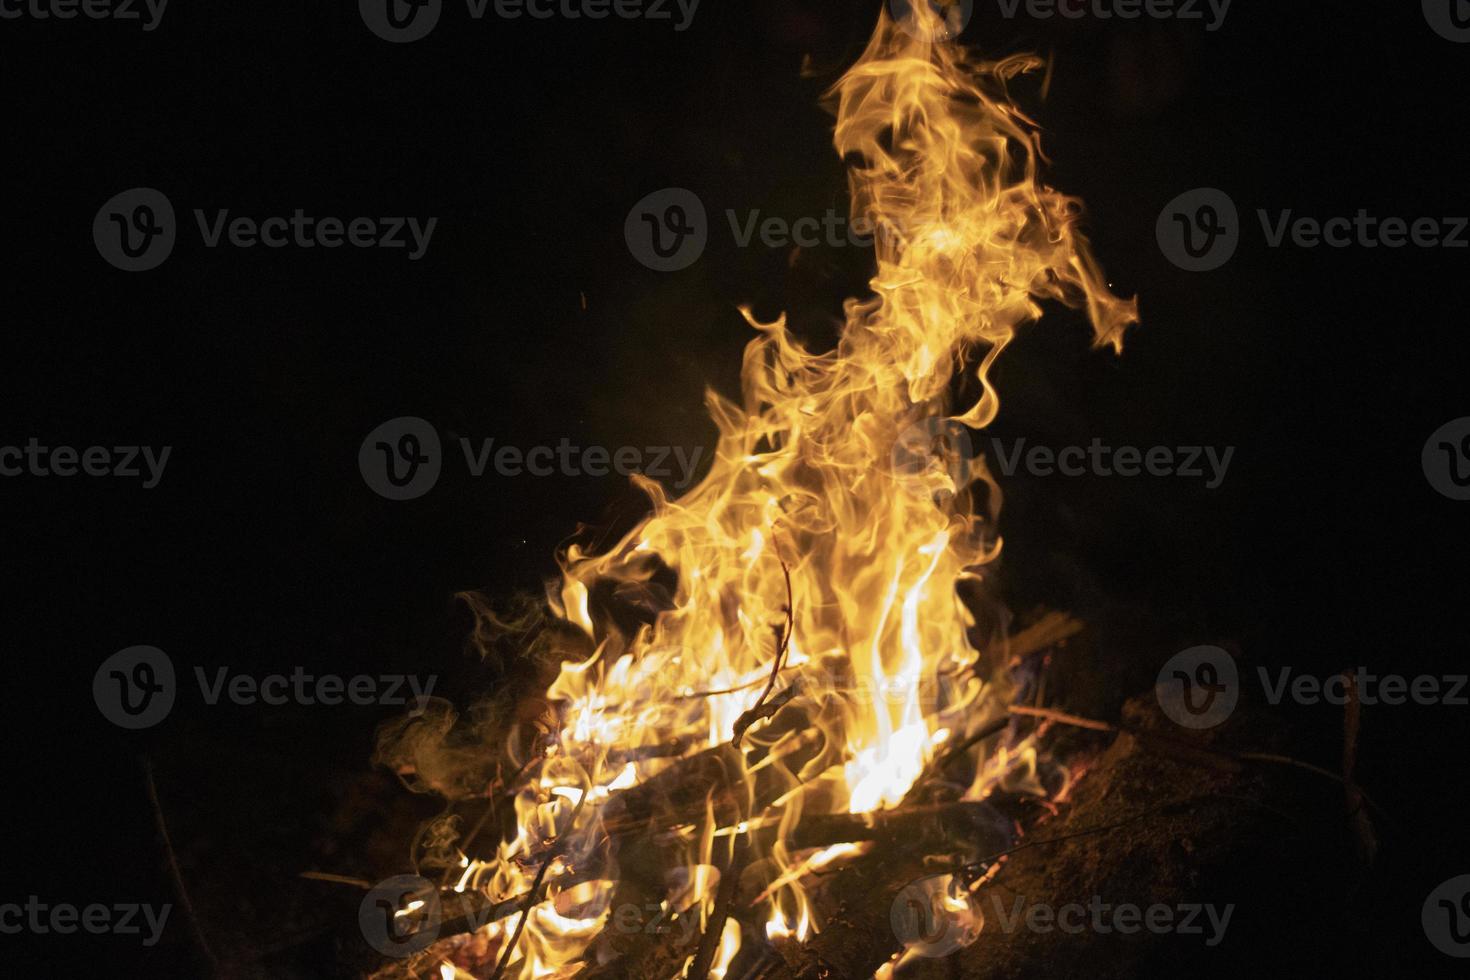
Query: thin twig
[[510, 947], [362, 883], [1063, 718], [173, 868], [730, 690], [1049, 631], [784, 643]]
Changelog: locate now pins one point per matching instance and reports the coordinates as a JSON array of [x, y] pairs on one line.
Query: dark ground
[[262, 548]]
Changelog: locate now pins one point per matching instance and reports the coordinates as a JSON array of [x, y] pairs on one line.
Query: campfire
[[781, 733]]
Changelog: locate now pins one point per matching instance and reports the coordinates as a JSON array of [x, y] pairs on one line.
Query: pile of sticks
[[932, 829]]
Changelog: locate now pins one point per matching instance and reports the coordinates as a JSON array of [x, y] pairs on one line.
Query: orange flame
[[804, 484]]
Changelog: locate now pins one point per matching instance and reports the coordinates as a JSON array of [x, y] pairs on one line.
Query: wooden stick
[[173, 868], [1048, 631], [714, 929], [910, 826]]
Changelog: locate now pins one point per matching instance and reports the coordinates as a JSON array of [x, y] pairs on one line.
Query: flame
[[815, 512]]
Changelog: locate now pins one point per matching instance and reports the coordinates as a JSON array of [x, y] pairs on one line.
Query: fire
[[819, 558]]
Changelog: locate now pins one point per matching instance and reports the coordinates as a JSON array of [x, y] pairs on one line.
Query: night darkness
[[527, 320]]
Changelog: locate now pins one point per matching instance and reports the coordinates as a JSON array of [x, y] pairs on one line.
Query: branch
[[714, 929], [783, 641]]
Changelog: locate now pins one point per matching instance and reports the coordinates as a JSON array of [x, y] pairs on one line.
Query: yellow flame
[[813, 479], [729, 947]]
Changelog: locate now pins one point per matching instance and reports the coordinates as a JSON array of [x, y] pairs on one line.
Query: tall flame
[[816, 512]]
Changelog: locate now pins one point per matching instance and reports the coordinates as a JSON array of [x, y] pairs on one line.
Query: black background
[[529, 321]]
